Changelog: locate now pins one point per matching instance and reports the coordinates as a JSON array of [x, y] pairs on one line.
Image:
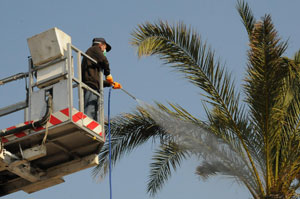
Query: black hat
[[102, 40]]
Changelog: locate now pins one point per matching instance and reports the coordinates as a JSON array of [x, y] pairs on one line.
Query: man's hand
[[117, 85], [109, 79]]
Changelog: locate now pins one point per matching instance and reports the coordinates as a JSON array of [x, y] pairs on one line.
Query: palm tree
[[254, 140]]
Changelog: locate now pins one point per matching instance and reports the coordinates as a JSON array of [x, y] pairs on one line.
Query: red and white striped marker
[[57, 118]]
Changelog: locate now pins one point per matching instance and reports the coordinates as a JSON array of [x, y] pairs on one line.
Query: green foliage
[[246, 16], [167, 157], [256, 142], [128, 132]]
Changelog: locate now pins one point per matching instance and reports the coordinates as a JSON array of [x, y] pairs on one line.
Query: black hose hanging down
[[32, 125]]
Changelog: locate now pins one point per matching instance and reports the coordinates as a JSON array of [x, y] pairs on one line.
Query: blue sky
[[216, 20]]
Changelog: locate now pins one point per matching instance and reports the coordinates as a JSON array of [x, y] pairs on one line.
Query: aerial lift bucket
[[56, 139]]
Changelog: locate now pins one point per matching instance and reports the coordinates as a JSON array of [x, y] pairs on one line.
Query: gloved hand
[[109, 79], [117, 85]]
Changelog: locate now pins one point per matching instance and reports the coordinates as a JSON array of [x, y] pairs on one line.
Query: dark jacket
[[91, 72]]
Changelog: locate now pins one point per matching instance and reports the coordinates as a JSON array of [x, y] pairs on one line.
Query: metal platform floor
[[28, 164]]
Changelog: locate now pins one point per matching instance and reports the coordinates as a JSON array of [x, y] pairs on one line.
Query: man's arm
[[102, 61]]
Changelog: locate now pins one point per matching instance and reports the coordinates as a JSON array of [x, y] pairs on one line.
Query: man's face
[[102, 47]]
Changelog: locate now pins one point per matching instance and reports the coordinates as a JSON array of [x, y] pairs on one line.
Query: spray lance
[[117, 85], [130, 95]]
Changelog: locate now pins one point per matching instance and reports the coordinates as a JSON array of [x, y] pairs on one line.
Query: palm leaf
[[246, 15], [245, 143], [182, 48], [264, 88], [288, 155], [209, 169], [168, 157], [128, 132], [297, 57], [198, 140]]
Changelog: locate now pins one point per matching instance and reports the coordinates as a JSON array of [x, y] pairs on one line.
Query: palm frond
[[264, 88], [219, 124], [265, 73], [128, 131], [288, 161], [200, 141], [208, 169], [168, 157], [134, 129], [182, 48], [258, 145], [297, 57], [246, 15], [179, 112]]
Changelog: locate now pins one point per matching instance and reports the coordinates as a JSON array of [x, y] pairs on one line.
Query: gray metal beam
[[13, 108], [13, 78]]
